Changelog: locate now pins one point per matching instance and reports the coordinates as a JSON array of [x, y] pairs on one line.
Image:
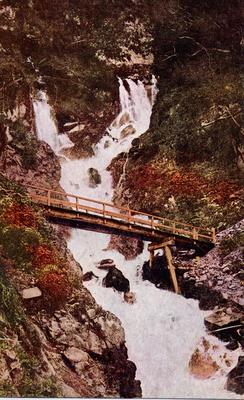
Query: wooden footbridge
[[85, 213]]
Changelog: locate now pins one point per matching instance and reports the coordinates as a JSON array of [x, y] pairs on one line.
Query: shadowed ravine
[[162, 329]]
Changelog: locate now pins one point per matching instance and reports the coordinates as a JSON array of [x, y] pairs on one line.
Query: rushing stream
[[162, 329]]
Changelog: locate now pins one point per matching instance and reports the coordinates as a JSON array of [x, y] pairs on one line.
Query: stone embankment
[[221, 270]]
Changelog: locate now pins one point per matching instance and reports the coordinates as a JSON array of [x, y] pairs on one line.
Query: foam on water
[[46, 128], [162, 329]]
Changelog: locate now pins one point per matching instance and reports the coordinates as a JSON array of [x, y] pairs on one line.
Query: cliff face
[[189, 165], [55, 339]]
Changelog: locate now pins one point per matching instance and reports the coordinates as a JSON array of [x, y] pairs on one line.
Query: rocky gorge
[[85, 320]]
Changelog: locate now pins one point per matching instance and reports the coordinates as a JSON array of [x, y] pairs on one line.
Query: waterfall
[[46, 128], [162, 329]]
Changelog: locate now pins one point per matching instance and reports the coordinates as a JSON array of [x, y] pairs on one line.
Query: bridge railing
[[68, 201]]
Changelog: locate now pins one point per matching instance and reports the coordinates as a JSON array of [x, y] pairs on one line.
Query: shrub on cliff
[[42, 255], [56, 289], [231, 243], [24, 143], [15, 242], [20, 215], [10, 304]]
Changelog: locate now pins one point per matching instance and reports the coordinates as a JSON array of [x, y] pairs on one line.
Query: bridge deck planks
[[109, 217]]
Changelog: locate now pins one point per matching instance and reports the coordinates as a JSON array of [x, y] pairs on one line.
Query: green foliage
[[70, 52], [15, 242], [176, 125], [6, 389], [31, 385], [10, 304], [10, 189], [49, 268], [231, 243], [24, 144], [38, 388]]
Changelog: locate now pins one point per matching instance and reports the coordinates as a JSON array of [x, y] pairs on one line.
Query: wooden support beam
[[158, 246], [151, 259], [172, 269], [213, 235], [49, 198], [158, 226]]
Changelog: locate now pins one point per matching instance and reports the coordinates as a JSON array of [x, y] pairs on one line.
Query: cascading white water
[[162, 329], [46, 128]]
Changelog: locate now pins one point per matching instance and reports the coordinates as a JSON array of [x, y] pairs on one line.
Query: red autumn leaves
[[20, 215], [52, 279], [180, 183], [47, 265]]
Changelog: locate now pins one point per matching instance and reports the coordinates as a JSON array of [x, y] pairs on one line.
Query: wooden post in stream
[[165, 246], [151, 259], [169, 257]]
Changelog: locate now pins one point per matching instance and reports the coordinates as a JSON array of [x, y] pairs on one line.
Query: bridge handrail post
[[129, 215], [49, 198], [77, 204], [194, 233], [152, 222], [104, 211], [213, 234]]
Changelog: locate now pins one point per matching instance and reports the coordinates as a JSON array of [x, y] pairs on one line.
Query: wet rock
[[124, 119], [88, 276], [128, 387], [202, 366], [208, 297], [94, 177], [130, 297], [158, 273], [117, 280], [129, 247], [235, 381], [222, 318], [220, 323], [129, 130], [233, 345], [106, 264], [116, 168]]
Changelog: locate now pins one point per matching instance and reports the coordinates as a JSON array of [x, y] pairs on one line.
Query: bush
[[16, 241], [55, 287], [24, 144], [42, 255], [6, 389], [31, 385], [44, 388], [11, 188], [231, 243], [20, 215], [9, 302]]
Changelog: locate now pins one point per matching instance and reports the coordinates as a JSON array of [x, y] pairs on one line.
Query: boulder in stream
[[225, 324], [88, 276], [94, 177], [117, 280], [129, 297], [235, 381], [106, 264], [202, 366], [128, 130]]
